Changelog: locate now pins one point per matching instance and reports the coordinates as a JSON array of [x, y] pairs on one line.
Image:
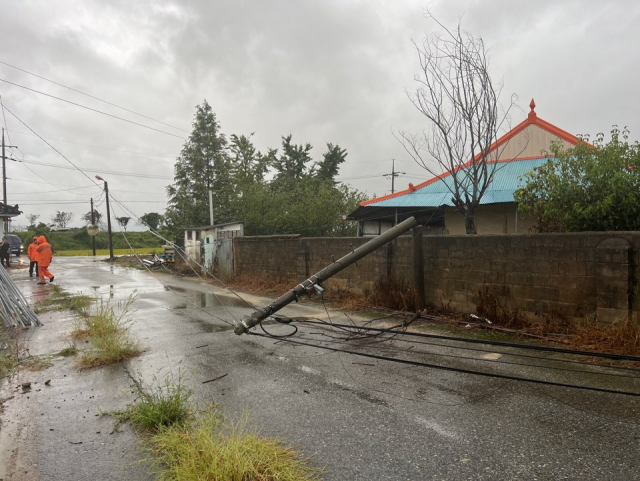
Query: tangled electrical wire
[[390, 344]]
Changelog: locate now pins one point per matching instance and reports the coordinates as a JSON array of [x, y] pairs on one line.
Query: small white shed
[[197, 239]]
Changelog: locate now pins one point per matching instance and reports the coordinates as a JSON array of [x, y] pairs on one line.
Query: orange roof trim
[[532, 119], [413, 188]]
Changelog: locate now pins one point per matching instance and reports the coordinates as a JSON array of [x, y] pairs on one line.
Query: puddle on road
[[202, 299], [97, 289], [207, 327], [18, 261]]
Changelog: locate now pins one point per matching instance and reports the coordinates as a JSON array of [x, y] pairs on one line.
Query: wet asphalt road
[[358, 418]]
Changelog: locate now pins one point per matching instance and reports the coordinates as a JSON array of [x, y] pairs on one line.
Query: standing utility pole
[[5, 222], [93, 221], [106, 193], [393, 175], [211, 207]]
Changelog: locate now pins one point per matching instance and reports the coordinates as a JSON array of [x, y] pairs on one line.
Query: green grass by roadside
[[61, 300], [105, 252], [183, 443], [108, 332]]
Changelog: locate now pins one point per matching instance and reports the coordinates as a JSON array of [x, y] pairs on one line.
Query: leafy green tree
[[203, 165], [586, 187], [248, 165], [296, 200], [151, 220], [328, 168], [292, 163], [311, 207]]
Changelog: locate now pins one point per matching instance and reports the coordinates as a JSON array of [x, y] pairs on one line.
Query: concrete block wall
[[548, 277], [297, 259]]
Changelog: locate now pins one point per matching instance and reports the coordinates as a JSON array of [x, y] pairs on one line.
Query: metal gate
[[208, 252], [224, 256]]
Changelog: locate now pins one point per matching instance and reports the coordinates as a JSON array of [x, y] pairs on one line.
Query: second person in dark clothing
[[31, 254], [5, 252]]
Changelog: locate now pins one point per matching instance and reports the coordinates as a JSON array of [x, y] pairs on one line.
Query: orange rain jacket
[[43, 252], [31, 251]]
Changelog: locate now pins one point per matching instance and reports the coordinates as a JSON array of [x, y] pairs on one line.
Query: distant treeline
[[77, 239]]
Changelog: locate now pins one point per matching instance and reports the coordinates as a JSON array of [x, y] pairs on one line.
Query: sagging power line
[[93, 97], [91, 109]]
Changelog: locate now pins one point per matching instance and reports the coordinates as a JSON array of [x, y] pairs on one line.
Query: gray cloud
[[331, 71]]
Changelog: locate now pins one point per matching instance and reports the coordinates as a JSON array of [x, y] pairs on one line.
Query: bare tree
[[457, 96], [97, 216], [32, 218], [62, 219]]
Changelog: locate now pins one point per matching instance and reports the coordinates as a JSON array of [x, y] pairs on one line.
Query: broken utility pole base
[[316, 279]]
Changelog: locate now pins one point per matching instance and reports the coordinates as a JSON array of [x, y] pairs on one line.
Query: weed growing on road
[[184, 446], [61, 300], [109, 334], [159, 405], [209, 448], [68, 351], [8, 354], [8, 363], [14, 353]]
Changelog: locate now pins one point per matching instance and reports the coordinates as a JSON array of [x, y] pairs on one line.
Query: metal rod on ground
[[14, 308], [326, 273]]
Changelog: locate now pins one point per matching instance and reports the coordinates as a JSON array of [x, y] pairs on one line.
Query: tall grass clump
[[210, 449], [393, 293], [12, 349], [620, 337], [185, 444], [8, 353], [160, 405], [108, 332]]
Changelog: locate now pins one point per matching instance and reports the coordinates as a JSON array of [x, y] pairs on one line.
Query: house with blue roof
[[516, 153]]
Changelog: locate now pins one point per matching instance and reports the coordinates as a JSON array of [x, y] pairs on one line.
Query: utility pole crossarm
[[393, 176], [329, 271]]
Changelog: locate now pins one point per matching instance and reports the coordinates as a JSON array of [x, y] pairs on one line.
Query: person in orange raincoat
[[31, 254], [44, 254]]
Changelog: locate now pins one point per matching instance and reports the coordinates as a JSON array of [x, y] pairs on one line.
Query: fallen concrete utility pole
[[331, 270]]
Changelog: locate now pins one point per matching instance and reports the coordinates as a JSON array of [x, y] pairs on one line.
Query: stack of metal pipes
[[14, 308]]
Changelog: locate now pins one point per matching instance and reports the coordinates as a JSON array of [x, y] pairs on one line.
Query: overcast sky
[[324, 71]]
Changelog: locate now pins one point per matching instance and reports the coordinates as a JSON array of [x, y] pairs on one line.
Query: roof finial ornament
[[532, 114]]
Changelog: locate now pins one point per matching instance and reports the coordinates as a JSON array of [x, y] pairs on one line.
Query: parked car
[[16, 244]]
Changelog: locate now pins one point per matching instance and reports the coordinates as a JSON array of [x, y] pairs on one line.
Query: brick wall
[[545, 276]]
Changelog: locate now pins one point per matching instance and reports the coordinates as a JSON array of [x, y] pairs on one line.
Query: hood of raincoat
[[42, 239]]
